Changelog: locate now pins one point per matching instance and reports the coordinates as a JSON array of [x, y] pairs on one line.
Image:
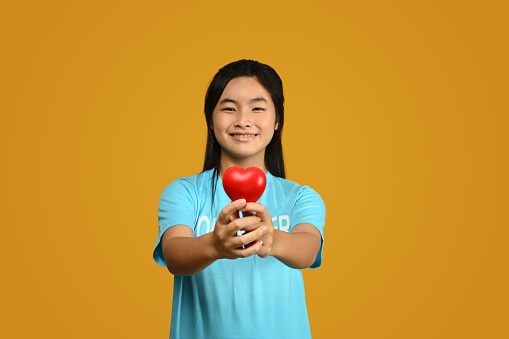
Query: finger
[[249, 251], [228, 210], [247, 224], [259, 209], [247, 213], [247, 239], [235, 215]]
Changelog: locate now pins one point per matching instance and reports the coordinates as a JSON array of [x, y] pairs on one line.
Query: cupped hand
[[259, 210], [227, 243]]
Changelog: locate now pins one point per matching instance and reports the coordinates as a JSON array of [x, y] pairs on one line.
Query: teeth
[[243, 135]]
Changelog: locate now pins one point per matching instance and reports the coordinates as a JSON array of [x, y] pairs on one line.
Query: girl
[[260, 292]]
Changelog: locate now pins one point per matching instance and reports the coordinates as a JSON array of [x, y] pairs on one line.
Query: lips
[[243, 137]]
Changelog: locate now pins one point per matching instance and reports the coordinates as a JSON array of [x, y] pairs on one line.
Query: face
[[244, 119]]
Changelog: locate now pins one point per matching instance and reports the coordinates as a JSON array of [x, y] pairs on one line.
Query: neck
[[228, 161]]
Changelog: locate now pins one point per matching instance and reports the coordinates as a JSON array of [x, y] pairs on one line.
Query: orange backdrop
[[396, 114]]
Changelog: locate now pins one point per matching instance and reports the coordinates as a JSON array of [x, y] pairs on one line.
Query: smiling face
[[243, 122]]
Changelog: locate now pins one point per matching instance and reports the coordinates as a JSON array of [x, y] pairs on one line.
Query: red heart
[[246, 183]]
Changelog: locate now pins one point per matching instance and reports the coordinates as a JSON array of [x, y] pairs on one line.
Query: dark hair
[[271, 81]]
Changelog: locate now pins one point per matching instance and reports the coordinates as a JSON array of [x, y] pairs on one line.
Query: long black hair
[[271, 81]]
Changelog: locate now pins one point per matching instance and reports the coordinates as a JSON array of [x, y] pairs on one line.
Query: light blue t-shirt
[[243, 298]]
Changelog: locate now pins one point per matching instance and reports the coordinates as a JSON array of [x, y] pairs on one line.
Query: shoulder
[[294, 189], [191, 185], [302, 203], [285, 185]]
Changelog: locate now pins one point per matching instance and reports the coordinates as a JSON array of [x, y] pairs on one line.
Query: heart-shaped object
[[246, 183]]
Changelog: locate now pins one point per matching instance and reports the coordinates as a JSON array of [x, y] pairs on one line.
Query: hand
[[227, 243], [259, 210]]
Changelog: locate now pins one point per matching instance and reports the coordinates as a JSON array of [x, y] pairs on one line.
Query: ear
[[277, 126]]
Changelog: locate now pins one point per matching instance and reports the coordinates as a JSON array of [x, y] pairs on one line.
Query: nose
[[243, 119]]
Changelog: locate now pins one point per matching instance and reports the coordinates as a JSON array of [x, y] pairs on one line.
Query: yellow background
[[396, 114]]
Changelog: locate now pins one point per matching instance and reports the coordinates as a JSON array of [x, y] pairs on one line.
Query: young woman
[[260, 293]]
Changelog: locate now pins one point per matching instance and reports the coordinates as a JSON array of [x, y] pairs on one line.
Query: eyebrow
[[228, 100], [259, 99]]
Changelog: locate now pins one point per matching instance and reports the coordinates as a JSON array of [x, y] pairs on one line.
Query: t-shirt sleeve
[[176, 207], [310, 209]]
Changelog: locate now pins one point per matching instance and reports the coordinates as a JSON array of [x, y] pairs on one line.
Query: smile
[[243, 135]]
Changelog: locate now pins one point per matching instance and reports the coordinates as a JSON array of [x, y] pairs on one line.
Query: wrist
[[210, 250], [276, 242]]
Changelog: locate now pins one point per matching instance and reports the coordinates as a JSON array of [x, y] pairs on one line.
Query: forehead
[[245, 89]]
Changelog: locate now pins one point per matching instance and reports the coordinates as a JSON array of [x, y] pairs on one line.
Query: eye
[[258, 109], [228, 109]]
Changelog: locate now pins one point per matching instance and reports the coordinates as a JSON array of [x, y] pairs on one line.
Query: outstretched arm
[[184, 254], [297, 249]]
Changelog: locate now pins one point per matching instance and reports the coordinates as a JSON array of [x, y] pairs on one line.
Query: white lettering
[[286, 227], [281, 222]]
